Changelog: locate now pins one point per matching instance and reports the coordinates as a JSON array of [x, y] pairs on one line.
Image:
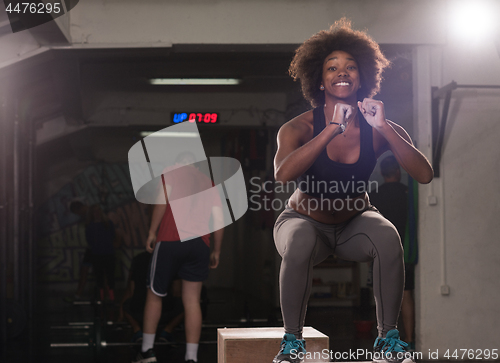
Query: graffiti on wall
[[62, 243]]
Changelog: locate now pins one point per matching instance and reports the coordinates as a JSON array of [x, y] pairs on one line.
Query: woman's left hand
[[373, 111]]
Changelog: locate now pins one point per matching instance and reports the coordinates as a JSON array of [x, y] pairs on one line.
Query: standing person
[[189, 259], [391, 200], [101, 236], [82, 210], [331, 152]]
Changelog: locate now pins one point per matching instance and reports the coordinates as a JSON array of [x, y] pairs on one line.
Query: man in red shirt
[[179, 240]]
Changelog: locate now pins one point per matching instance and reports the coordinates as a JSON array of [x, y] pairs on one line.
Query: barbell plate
[[118, 344]]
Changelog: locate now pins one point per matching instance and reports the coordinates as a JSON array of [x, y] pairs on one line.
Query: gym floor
[[55, 318]]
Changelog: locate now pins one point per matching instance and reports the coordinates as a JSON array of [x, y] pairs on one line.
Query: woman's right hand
[[342, 112]]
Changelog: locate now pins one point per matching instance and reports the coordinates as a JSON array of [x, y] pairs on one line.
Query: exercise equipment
[[96, 330], [236, 345]]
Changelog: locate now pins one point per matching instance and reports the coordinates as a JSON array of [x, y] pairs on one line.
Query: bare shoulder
[[299, 128]]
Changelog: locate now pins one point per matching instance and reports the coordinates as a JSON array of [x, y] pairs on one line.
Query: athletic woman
[[331, 151]]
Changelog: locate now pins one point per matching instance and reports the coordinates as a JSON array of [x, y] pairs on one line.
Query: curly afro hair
[[307, 64]]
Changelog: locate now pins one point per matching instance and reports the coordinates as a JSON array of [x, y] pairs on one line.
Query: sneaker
[[145, 357], [391, 349], [137, 337], [292, 350]]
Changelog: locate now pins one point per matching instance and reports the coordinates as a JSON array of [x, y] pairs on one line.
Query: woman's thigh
[[367, 236], [298, 239]]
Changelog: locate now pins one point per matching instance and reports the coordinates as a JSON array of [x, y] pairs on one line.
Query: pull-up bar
[[438, 127]]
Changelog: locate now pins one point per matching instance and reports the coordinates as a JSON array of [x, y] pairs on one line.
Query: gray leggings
[[304, 242]]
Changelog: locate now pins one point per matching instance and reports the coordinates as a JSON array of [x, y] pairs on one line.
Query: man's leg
[[191, 291], [134, 317], [169, 328], [408, 314], [176, 290], [152, 314], [131, 315], [84, 272], [98, 266], [109, 271], [133, 323]]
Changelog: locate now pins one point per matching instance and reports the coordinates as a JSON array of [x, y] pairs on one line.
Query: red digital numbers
[[203, 117]]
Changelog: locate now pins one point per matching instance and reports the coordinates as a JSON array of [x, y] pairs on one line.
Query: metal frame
[[3, 224], [17, 255], [439, 126]]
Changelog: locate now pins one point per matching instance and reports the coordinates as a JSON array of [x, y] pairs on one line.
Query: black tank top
[[329, 179]]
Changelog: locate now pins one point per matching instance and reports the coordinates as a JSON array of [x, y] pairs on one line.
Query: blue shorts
[[188, 260]]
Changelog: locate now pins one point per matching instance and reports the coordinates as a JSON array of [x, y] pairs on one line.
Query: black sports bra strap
[[318, 121], [324, 169]]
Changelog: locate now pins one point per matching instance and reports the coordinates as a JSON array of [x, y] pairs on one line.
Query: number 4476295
[[34, 8], [472, 354]]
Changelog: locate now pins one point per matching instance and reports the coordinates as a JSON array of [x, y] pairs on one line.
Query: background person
[[391, 200], [190, 259], [339, 140], [82, 210], [101, 237]]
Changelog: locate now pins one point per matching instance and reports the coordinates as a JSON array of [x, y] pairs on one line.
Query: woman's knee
[[294, 235]]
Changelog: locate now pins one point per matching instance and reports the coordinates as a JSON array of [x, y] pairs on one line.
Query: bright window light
[[195, 81], [471, 19], [168, 134]]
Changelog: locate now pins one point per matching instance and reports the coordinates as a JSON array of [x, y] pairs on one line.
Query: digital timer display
[[199, 117]]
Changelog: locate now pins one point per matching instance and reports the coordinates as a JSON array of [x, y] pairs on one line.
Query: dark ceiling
[[59, 79], [260, 70]]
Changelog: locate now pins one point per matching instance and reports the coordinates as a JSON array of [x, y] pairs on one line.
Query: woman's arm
[[294, 157], [398, 141], [409, 157]]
